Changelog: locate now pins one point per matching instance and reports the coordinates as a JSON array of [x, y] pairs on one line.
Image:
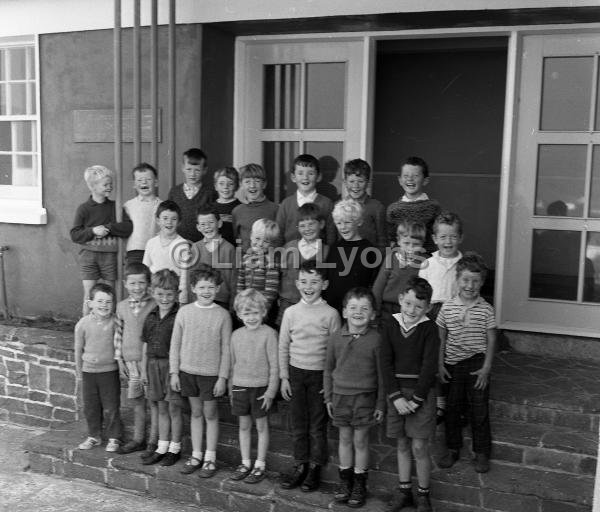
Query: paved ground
[[23, 491]]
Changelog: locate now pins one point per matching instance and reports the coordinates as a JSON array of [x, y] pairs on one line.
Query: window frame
[[23, 204]]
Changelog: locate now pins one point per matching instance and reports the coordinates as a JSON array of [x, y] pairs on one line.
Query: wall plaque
[[99, 125]]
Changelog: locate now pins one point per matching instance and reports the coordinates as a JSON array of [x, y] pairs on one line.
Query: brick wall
[[37, 376]]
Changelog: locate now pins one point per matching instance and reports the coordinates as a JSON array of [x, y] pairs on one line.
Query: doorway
[[443, 100]]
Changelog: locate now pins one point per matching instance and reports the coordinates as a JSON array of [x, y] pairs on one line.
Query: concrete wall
[[76, 74]]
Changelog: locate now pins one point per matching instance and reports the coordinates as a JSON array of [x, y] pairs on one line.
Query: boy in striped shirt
[[467, 329]]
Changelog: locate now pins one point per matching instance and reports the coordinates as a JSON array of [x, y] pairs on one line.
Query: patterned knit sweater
[[424, 211], [261, 272]]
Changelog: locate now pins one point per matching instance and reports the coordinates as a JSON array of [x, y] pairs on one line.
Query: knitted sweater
[[200, 341], [91, 214], [391, 280], [157, 332], [254, 359], [223, 260], [245, 214], [303, 336], [424, 211], [143, 215], [287, 218], [94, 348], [353, 365], [187, 224], [409, 359], [349, 269], [224, 210], [261, 272], [290, 268], [128, 335]]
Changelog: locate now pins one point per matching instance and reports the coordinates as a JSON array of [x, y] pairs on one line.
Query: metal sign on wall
[[99, 125]]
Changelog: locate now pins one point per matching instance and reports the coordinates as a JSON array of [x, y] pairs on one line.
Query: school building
[[500, 97]]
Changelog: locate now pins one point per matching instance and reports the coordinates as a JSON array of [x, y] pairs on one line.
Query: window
[[20, 159]]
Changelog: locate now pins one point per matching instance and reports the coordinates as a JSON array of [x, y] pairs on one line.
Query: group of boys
[[406, 321]]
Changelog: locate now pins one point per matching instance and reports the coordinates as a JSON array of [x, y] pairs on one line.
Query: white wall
[[46, 16]]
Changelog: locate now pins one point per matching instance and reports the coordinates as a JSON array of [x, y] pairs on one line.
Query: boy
[[96, 367], [309, 247], [227, 181], [215, 251], [303, 336], [414, 205], [192, 193], [351, 261], [254, 182], [131, 314], [260, 266], [353, 392], [199, 364], [142, 211], [402, 263], [467, 329], [254, 380], [166, 250], [409, 358], [95, 228], [357, 174], [166, 421], [305, 174]]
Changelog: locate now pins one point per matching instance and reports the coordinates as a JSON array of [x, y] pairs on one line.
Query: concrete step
[[507, 487]]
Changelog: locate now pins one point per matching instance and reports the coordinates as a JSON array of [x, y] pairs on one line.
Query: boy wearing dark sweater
[[192, 194], [352, 261], [409, 357], [353, 392], [414, 205]]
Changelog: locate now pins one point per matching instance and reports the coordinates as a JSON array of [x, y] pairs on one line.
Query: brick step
[[508, 487]]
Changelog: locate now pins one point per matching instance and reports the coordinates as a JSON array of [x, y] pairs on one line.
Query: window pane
[[595, 191], [277, 161], [281, 96], [560, 180], [3, 108], [18, 99], [325, 95], [22, 132], [5, 170], [31, 106], [30, 63], [591, 280], [2, 64], [331, 159], [5, 136], [566, 94], [25, 173], [17, 64], [554, 264]]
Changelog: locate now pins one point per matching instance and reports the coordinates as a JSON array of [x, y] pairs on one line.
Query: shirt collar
[[422, 197], [302, 199], [315, 303], [400, 320], [346, 332], [447, 262]]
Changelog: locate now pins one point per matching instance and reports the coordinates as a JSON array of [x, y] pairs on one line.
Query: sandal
[[191, 465], [256, 476], [241, 472], [209, 468]]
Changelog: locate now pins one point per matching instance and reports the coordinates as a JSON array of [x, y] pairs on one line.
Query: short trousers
[[418, 425], [159, 381], [197, 386], [97, 265], [354, 410], [244, 401]]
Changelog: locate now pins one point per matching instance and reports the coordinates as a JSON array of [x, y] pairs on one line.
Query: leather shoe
[[313, 478], [296, 478]]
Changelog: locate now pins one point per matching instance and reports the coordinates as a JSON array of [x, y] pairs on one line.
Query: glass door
[[299, 97], [553, 261]]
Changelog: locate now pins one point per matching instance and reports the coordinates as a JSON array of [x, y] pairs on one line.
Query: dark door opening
[[443, 100]]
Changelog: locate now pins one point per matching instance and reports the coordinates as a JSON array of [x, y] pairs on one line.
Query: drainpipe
[[3, 249]]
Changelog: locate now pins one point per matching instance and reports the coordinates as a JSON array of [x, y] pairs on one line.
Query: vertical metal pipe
[[154, 81], [118, 129], [137, 89], [172, 116]]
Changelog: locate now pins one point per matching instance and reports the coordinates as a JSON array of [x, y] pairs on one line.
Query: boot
[[399, 500], [359, 491], [313, 478], [448, 460], [296, 478], [344, 489], [423, 503]]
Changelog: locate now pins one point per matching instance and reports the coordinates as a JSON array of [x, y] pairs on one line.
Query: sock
[[441, 402], [342, 468], [259, 464], [423, 491], [197, 455], [247, 463], [163, 447], [358, 471], [210, 456], [174, 447], [405, 487]]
